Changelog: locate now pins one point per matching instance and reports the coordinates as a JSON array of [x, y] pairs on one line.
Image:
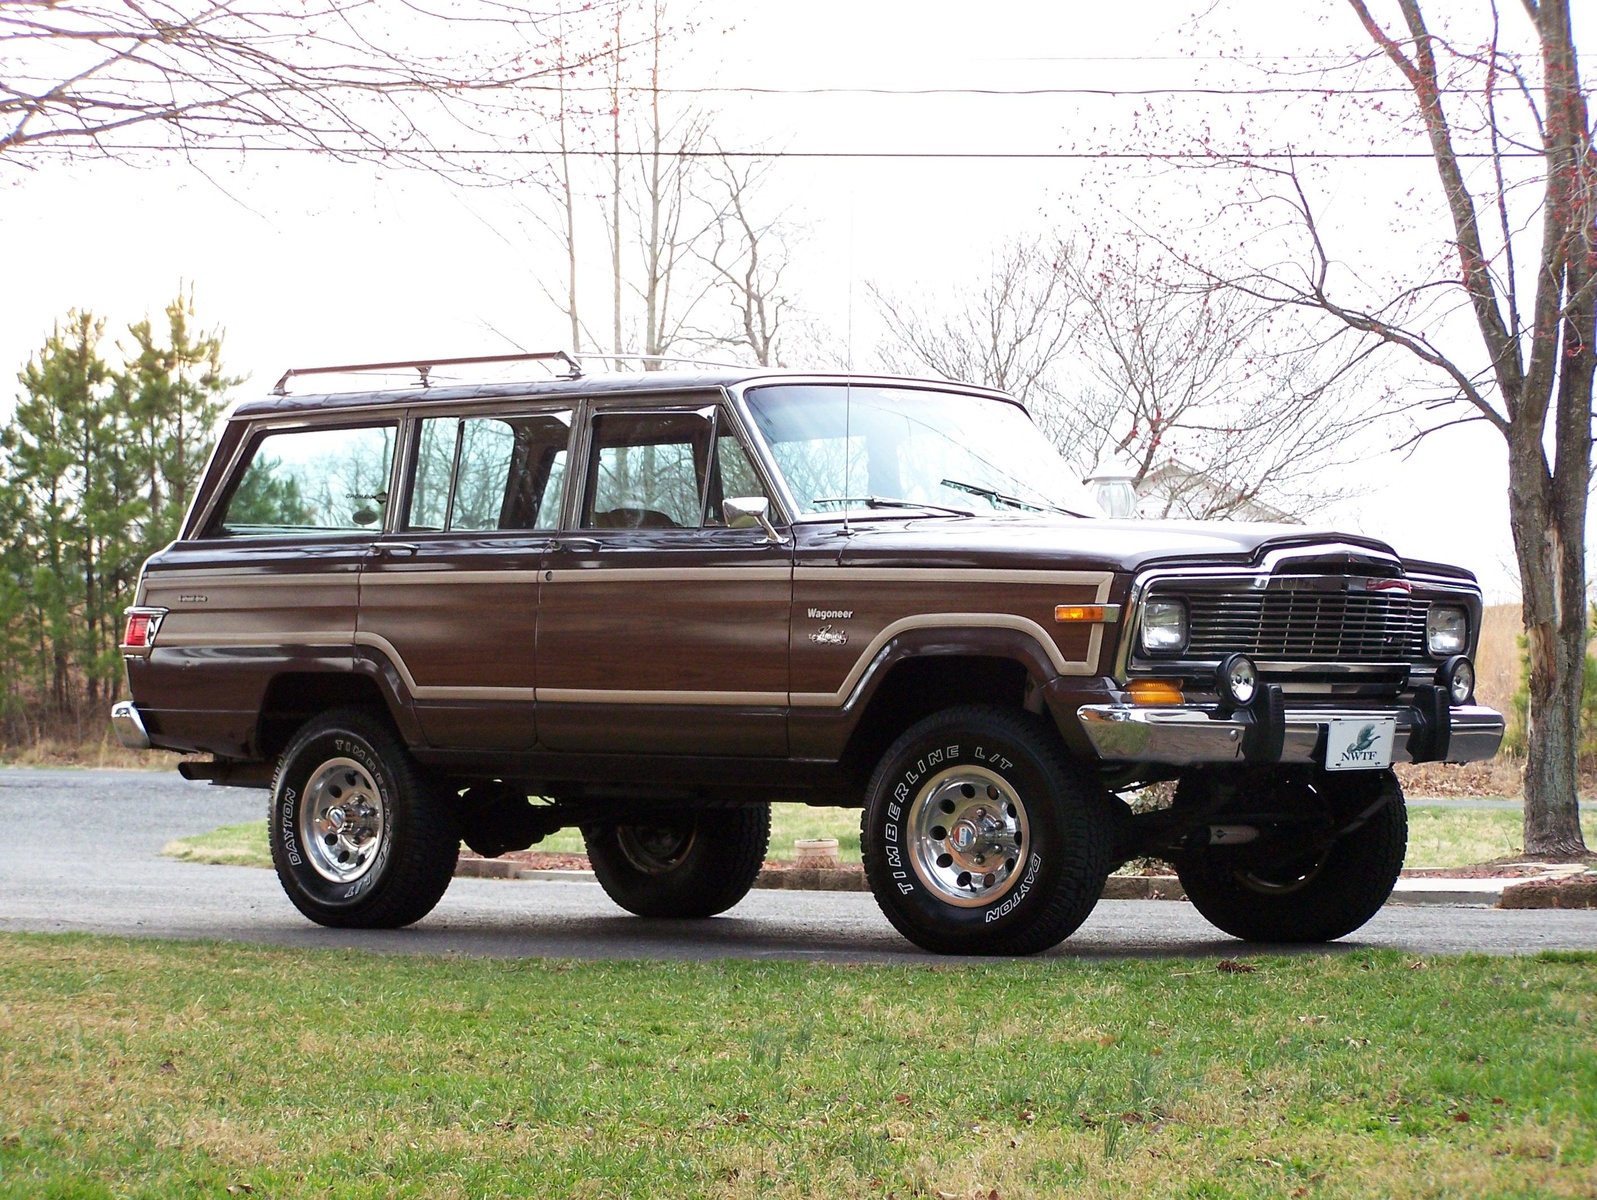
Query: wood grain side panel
[[824, 665]]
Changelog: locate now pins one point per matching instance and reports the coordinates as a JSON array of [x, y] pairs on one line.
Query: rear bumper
[[129, 726], [1181, 735]]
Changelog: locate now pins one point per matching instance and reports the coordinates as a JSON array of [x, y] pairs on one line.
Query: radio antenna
[[848, 366]]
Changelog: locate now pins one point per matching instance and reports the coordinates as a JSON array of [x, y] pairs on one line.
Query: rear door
[[660, 629], [450, 597]]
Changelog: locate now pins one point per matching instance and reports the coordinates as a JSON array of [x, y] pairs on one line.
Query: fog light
[[1457, 677], [1237, 679]]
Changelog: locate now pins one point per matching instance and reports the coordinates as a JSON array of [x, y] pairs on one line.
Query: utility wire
[[1217, 157]]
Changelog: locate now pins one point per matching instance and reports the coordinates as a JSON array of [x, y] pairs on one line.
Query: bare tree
[[1114, 358], [108, 77], [748, 258], [1520, 266], [1191, 388], [1012, 334]]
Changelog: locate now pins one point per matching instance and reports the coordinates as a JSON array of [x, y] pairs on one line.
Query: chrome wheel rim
[[969, 835], [656, 849], [342, 820]]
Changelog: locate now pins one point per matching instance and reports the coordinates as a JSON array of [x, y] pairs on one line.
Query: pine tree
[[172, 396]]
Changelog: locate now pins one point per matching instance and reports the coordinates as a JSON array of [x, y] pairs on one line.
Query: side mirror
[[745, 512]]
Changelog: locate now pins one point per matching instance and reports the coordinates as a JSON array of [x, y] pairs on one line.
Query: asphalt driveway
[[80, 851]]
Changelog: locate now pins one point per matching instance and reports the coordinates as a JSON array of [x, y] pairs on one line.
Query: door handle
[[580, 545], [393, 549]]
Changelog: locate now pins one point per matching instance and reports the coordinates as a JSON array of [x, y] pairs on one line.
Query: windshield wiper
[[892, 502], [993, 494]]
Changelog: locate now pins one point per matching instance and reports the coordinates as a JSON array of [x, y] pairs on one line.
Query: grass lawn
[[150, 1069], [1438, 837]]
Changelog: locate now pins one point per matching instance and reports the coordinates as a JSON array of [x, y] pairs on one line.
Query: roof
[[602, 384]]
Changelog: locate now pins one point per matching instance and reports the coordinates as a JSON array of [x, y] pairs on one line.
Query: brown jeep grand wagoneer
[[650, 605]]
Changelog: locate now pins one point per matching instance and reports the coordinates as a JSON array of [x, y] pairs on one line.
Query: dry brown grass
[[98, 748], [1497, 656]]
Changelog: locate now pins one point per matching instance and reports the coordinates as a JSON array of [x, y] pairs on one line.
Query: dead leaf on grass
[[1461, 1117], [1231, 966], [1108, 1039], [1314, 1020], [240, 1189]]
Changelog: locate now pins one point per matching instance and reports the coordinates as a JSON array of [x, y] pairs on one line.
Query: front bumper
[[129, 726], [1182, 735]]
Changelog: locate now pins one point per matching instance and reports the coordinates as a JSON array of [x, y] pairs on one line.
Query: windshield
[[850, 447]]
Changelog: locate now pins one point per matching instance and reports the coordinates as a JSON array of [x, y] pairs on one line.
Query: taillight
[[138, 636]]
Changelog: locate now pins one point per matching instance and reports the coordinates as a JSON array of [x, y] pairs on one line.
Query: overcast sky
[[307, 261]]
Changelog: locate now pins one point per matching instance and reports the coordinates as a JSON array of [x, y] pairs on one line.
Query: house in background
[[1175, 490]]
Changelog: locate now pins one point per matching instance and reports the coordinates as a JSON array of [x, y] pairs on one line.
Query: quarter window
[[313, 481], [487, 473]]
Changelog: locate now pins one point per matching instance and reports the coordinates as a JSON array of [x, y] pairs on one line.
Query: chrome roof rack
[[424, 366], [601, 356]]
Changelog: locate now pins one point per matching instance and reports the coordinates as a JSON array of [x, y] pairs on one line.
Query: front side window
[[489, 473], [667, 470], [313, 481], [853, 447]]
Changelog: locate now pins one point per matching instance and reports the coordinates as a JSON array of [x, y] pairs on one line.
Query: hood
[[1063, 543]]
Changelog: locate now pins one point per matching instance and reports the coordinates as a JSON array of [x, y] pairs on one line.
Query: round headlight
[[1446, 630], [1237, 680], [1164, 626], [1457, 677]]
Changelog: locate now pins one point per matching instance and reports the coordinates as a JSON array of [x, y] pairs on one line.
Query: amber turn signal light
[[1086, 614], [1155, 691]]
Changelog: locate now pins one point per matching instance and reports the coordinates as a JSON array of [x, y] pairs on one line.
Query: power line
[[841, 155], [1111, 93]]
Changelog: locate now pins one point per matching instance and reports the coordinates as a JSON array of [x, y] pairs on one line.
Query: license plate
[[1360, 743]]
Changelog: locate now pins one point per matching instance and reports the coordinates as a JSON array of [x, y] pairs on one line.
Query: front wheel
[[681, 862], [1315, 892], [359, 837], [979, 837]]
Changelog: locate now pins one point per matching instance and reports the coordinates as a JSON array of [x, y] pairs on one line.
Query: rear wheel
[[980, 838], [681, 862], [359, 837], [1323, 888]]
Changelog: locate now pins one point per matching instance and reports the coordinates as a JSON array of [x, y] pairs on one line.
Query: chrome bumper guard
[[1181, 735], [129, 726]]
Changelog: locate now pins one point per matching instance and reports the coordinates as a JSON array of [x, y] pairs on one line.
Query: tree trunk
[[1552, 574]]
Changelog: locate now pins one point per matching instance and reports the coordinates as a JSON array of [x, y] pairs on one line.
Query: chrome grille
[[1307, 626]]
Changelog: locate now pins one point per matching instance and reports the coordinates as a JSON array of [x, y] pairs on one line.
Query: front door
[[450, 597], [660, 629]]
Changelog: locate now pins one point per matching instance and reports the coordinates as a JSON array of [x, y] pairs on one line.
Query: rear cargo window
[[313, 481]]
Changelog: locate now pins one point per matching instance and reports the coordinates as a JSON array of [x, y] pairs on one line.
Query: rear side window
[[485, 473], [313, 481]]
